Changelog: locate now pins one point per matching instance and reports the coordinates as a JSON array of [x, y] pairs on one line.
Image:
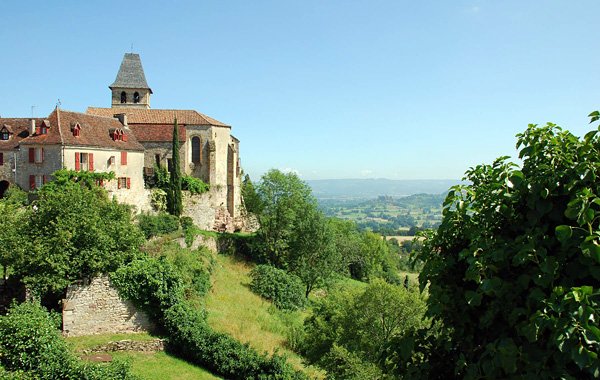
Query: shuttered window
[[123, 158], [77, 162]]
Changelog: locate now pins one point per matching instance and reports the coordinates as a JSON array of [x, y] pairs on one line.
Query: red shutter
[[45, 179], [91, 161], [125, 138], [32, 182], [123, 158], [77, 164], [32, 155], [128, 183], [119, 183], [1, 158]]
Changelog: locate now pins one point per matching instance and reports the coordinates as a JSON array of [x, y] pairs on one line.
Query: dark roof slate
[[131, 73]]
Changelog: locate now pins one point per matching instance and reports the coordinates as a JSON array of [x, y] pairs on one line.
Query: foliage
[[251, 199], [31, 347], [293, 233], [194, 185], [15, 196], [514, 268], [342, 364], [151, 284], [284, 289], [12, 228], [160, 224], [362, 323], [174, 200], [74, 232], [86, 178], [162, 178], [158, 199]]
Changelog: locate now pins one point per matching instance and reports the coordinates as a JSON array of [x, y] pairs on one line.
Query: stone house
[[130, 139]]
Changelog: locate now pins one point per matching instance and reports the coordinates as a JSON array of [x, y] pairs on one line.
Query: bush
[[194, 185], [31, 347], [158, 200], [284, 289], [154, 225]]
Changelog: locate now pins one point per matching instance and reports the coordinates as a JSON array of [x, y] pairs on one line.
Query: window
[[157, 159], [123, 97], [36, 155], [36, 181], [111, 160], [77, 130], [123, 158], [84, 161], [196, 150], [1, 158], [4, 134], [124, 183], [44, 130], [136, 97]]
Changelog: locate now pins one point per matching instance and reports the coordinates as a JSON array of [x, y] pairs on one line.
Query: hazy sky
[[330, 88]]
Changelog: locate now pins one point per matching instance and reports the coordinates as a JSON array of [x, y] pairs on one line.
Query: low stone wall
[[201, 208], [153, 345], [96, 308]]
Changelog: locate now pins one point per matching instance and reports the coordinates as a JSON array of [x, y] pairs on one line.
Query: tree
[[175, 205], [251, 199], [74, 232], [514, 268], [293, 233], [12, 222]]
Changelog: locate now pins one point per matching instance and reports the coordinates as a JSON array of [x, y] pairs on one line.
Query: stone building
[[208, 149], [130, 139]]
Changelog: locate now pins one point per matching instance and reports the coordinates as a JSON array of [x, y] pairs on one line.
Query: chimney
[[32, 127], [122, 118]]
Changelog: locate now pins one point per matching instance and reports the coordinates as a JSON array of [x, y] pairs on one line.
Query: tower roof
[[131, 73]]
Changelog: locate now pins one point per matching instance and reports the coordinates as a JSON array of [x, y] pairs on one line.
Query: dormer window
[[44, 130], [136, 97], [118, 135], [123, 97], [4, 134], [77, 130]]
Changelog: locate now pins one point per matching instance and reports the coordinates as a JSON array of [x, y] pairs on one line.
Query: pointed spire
[[131, 74]]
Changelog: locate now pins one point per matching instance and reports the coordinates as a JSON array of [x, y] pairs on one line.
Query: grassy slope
[[234, 309], [157, 365]]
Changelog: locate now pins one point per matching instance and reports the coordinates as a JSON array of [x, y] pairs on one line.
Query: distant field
[[400, 238]]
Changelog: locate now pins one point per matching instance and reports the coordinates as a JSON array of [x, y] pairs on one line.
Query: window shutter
[[128, 183], [125, 138], [91, 162], [118, 183], [32, 182], [123, 158], [77, 163], [1, 158], [42, 155], [31, 155], [45, 179]]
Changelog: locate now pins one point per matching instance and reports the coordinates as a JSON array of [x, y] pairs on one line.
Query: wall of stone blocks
[[96, 308]]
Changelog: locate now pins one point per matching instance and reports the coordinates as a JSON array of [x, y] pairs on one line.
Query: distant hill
[[371, 188]]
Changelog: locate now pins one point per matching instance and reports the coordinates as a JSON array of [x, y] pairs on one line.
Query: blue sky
[[329, 88]]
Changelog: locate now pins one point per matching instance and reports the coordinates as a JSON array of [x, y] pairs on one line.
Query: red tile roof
[[19, 129], [158, 116], [95, 132], [156, 132]]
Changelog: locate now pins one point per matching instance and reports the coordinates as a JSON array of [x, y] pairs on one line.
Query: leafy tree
[[514, 268], [74, 232], [251, 198], [294, 234], [14, 219], [175, 205]]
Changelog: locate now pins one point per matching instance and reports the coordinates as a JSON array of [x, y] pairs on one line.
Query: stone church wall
[[96, 308]]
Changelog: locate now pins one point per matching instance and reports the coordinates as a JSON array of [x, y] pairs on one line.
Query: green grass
[[234, 309], [147, 365]]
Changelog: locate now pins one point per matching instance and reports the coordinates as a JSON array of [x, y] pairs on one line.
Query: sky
[[326, 88]]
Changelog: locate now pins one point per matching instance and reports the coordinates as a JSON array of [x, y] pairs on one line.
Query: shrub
[[31, 347], [154, 225], [186, 222], [158, 200], [194, 185], [284, 289]]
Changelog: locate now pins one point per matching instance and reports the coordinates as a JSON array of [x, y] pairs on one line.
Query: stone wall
[[96, 308]]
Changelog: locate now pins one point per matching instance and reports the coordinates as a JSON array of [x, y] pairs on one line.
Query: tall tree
[[174, 194]]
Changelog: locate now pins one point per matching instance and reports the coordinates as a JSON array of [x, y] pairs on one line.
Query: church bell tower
[[130, 88]]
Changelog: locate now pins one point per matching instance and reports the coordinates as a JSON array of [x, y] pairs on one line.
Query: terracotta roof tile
[[19, 129], [156, 132], [157, 116]]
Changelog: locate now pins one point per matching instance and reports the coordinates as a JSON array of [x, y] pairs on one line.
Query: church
[[130, 139]]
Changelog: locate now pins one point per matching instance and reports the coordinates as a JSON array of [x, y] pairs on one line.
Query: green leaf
[[563, 233], [473, 298]]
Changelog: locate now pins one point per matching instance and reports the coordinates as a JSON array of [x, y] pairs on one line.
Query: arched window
[[196, 150], [123, 97], [136, 97]]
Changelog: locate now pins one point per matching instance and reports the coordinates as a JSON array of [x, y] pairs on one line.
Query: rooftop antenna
[[58, 103], [32, 114]]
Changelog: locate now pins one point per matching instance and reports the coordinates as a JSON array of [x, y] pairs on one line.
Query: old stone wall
[[96, 308]]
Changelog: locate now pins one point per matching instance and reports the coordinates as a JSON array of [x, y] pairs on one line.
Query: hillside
[[371, 188]]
